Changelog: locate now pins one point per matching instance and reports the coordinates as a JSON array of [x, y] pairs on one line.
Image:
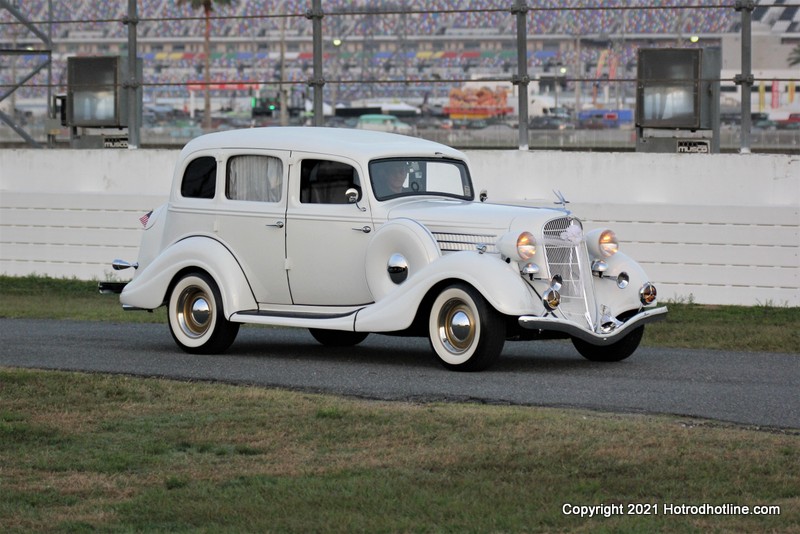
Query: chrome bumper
[[596, 338]]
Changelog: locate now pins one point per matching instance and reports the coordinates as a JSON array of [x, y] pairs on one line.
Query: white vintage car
[[351, 232]]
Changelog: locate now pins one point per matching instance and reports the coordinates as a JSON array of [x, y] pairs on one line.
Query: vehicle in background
[[791, 123], [384, 123], [550, 122]]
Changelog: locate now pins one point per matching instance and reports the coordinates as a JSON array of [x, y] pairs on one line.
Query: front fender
[[148, 290], [606, 290], [499, 283]]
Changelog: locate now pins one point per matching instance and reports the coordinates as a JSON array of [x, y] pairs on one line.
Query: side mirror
[[352, 197], [484, 195]]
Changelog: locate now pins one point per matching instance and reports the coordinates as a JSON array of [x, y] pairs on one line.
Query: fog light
[[551, 299], [530, 268], [648, 293], [599, 267]]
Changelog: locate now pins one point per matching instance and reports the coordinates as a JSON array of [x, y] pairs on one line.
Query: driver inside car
[[391, 179]]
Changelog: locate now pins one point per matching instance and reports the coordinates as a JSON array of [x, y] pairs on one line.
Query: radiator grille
[[456, 242], [565, 251]]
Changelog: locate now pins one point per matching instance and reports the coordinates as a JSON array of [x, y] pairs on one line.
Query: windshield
[[399, 177]]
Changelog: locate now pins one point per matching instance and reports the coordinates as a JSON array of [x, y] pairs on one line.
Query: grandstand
[[409, 49]]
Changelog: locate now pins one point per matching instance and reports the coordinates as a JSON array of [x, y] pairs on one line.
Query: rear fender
[[148, 290]]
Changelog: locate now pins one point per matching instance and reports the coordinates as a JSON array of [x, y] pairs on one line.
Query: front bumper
[[533, 322]]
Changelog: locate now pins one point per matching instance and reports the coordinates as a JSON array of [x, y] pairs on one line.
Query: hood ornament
[[561, 201]]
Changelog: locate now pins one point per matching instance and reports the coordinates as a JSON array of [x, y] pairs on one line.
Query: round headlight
[[526, 246], [608, 243], [518, 247]]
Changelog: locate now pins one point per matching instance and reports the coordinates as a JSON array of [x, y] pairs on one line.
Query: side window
[[254, 178], [200, 178], [326, 182]]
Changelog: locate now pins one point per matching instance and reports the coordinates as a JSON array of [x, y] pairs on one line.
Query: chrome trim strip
[[295, 315], [560, 325]]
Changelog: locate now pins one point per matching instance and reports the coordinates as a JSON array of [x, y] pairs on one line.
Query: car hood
[[441, 215]]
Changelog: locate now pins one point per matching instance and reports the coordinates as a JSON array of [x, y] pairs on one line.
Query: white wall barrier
[[720, 229]]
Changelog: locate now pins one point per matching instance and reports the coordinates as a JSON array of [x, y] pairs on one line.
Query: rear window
[[254, 178], [200, 178]]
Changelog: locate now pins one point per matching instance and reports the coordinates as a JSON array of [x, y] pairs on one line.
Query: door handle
[[278, 224], [365, 229]]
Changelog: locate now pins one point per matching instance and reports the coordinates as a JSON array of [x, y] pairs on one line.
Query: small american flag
[[146, 217]]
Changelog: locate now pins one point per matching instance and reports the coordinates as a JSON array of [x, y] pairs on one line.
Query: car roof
[[352, 143]]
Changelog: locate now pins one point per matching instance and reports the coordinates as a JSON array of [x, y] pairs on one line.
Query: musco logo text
[[115, 142], [694, 147]]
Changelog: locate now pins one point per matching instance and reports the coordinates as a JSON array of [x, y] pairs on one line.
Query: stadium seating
[[617, 25]]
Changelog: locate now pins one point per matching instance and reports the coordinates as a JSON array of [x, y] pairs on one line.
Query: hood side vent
[[449, 242]]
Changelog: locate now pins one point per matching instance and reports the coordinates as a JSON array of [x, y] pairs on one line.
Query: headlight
[[602, 243], [517, 246], [526, 246], [608, 243]]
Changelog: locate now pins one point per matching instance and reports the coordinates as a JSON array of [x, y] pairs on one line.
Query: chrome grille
[[456, 242], [565, 252]]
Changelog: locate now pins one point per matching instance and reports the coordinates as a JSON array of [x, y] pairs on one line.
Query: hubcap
[[460, 326], [456, 326], [200, 311], [195, 312]]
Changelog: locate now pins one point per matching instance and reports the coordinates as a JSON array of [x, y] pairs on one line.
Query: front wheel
[[196, 318], [466, 333], [615, 352]]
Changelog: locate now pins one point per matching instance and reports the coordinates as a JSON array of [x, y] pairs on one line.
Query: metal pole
[[317, 81], [521, 79], [132, 85], [51, 109], [284, 113], [745, 79]]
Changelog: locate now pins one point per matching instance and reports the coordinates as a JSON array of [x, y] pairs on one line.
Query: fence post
[[521, 79], [132, 84], [745, 79], [317, 81]]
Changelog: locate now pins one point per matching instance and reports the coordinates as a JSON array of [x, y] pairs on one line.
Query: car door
[[326, 235], [252, 220]]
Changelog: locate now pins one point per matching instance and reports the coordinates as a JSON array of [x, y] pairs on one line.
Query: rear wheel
[[338, 338], [465, 332], [196, 318], [615, 352]]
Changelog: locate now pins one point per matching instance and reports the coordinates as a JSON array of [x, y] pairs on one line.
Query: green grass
[[90, 452], [86, 453], [756, 328]]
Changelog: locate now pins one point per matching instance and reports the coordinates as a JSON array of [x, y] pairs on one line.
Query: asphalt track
[[753, 389]]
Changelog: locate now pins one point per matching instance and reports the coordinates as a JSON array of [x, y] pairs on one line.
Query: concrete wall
[[720, 229]]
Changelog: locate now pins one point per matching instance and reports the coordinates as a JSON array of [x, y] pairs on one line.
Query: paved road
[[749, 388]]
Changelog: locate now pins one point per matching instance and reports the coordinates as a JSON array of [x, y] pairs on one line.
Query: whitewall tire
[[465, 332], [196, 317]]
